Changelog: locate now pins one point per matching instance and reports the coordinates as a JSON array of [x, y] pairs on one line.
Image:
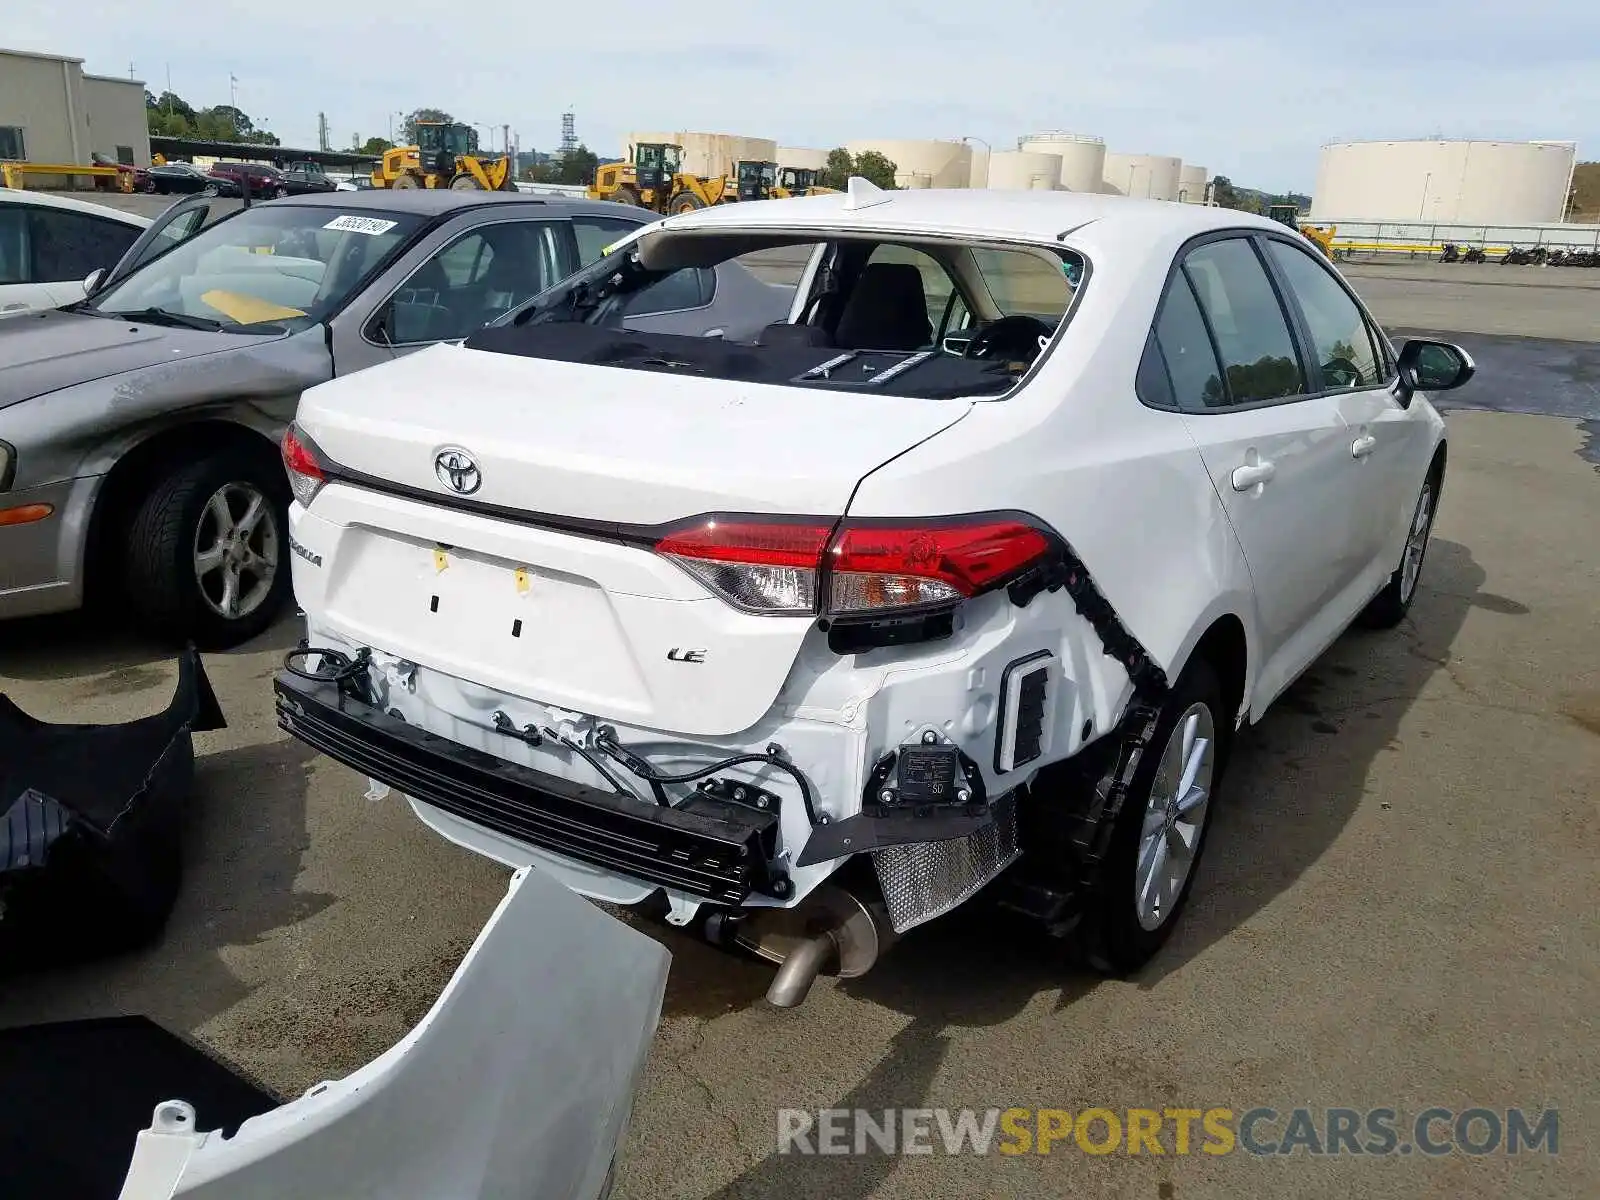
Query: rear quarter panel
[[1122, 483]]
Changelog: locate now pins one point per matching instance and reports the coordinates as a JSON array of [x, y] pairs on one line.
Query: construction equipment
[[800, 181], [1289, 214], [445, 156], [655, 180]]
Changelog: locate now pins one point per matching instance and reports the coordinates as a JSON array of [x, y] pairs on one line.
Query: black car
[[304, 179], [181, 178]]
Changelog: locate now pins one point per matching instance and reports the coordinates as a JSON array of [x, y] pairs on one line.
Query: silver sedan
[[139, 428]]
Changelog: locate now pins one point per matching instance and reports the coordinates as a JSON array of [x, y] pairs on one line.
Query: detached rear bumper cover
[[720, 856]]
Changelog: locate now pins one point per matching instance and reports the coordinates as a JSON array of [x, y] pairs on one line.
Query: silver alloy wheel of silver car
[[1175, 816], [236, 550], [1416, 543]]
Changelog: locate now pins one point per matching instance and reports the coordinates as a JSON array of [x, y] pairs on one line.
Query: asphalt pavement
[[1396, 911]]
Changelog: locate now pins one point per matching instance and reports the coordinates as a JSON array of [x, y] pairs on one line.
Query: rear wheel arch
[[140, 468], [1225, 645]]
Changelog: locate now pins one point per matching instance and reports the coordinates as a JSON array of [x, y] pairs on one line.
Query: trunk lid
[[610, 444], [589, 618]]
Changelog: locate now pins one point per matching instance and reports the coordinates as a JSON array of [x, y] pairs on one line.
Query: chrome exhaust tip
[[832, 931]]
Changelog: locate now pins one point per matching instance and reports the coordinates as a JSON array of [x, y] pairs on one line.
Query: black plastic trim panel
[[721, 857]]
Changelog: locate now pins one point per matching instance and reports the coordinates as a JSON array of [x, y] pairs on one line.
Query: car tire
[[210, 189], [1390, 606], [1132, 909], [279, 192], [193, 572]]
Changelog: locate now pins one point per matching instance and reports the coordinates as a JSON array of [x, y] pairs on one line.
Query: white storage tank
[[1083, 158], [1192, 183], [710, 153], [943, 164], [979, 175], [1461, 182], [1024, 171], [1147, 176], [802, 158]]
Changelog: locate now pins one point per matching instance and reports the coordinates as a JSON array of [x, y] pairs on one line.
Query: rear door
[[1277, 452], [1388, 448], [19, 291]]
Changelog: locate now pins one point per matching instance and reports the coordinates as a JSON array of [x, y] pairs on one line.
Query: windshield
[[907, 316], [272, 265]]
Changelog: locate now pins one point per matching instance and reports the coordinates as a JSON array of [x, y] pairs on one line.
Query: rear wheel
[[207, 551], [406, 180], [465, 181], [626, 195], [686, 202], [1149, 869], [1390, 606], [279, 192]]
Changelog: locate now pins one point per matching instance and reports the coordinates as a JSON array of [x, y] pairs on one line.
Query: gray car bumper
[[41, 560]]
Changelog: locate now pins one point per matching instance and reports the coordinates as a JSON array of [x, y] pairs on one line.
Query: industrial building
[[52, 112], [711, 153], [1445, 182]]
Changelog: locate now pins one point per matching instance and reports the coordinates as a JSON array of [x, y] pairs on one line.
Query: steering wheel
[[1016, 336]]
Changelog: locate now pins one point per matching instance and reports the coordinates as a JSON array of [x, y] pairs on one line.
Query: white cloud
[[1244, 87]]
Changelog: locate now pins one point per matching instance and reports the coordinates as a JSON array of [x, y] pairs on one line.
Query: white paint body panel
[[18, 298], [518, 1082], [1143, 496]]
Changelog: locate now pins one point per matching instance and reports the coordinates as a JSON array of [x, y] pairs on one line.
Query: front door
[[1278, 456]]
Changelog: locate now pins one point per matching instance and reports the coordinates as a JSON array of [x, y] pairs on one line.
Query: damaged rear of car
[[808, 636]]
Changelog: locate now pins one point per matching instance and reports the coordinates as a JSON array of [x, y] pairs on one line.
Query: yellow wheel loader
[[654, 180], [1289, 214], [799, 181], [444, 157]]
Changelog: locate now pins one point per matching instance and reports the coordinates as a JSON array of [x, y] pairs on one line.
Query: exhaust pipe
[[832, 931]]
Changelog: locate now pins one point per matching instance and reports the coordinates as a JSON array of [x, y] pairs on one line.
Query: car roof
[[71, 204], [438, 202], [979, 212]]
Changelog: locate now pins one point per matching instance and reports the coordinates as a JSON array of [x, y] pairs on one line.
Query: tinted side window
[[476, 278], [1339, 335], [1251, 331], [594, 234], [14, 244], [1185, 350], [691, 287], [68, 245]]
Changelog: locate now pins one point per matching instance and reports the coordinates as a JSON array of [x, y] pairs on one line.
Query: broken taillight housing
[[303, 464], [860, 568]]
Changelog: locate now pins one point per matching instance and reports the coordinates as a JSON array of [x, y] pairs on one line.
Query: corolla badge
[[457, 471]]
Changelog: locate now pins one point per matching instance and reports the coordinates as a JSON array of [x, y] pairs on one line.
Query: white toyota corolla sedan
[[964, 575]]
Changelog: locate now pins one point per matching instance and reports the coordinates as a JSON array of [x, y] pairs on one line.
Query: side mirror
[[92, 280], [1429, 366]]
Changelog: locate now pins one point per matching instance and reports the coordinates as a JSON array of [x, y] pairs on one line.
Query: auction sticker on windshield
[[368, 225]]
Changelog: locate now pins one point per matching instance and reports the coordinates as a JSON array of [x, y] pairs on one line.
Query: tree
[[408, 130], [869, 164], [169, 115], [876, 169], [839, 169], [374, 145], [577, 166]]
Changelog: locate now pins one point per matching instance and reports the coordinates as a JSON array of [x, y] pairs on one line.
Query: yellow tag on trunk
[[523, 583], [441, 560]]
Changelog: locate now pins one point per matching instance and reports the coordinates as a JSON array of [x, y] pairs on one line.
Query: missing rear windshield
[[937, 318]]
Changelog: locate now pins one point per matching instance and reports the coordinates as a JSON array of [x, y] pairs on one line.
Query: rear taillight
[[865, 568], [759, 566], [303, 465]]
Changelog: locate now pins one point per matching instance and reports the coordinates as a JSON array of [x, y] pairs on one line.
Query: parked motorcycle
[[1475, 255], [1452, 253]]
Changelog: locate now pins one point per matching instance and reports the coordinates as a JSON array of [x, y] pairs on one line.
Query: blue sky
[[1247, 88]]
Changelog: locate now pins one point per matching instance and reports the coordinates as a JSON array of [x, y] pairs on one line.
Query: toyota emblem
[[457, 471]]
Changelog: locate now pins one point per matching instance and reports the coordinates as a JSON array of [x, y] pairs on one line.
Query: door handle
[[1363, 446], [1249, 476]]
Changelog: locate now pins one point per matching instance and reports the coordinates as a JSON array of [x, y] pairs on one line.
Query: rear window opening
[[938, 318]]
